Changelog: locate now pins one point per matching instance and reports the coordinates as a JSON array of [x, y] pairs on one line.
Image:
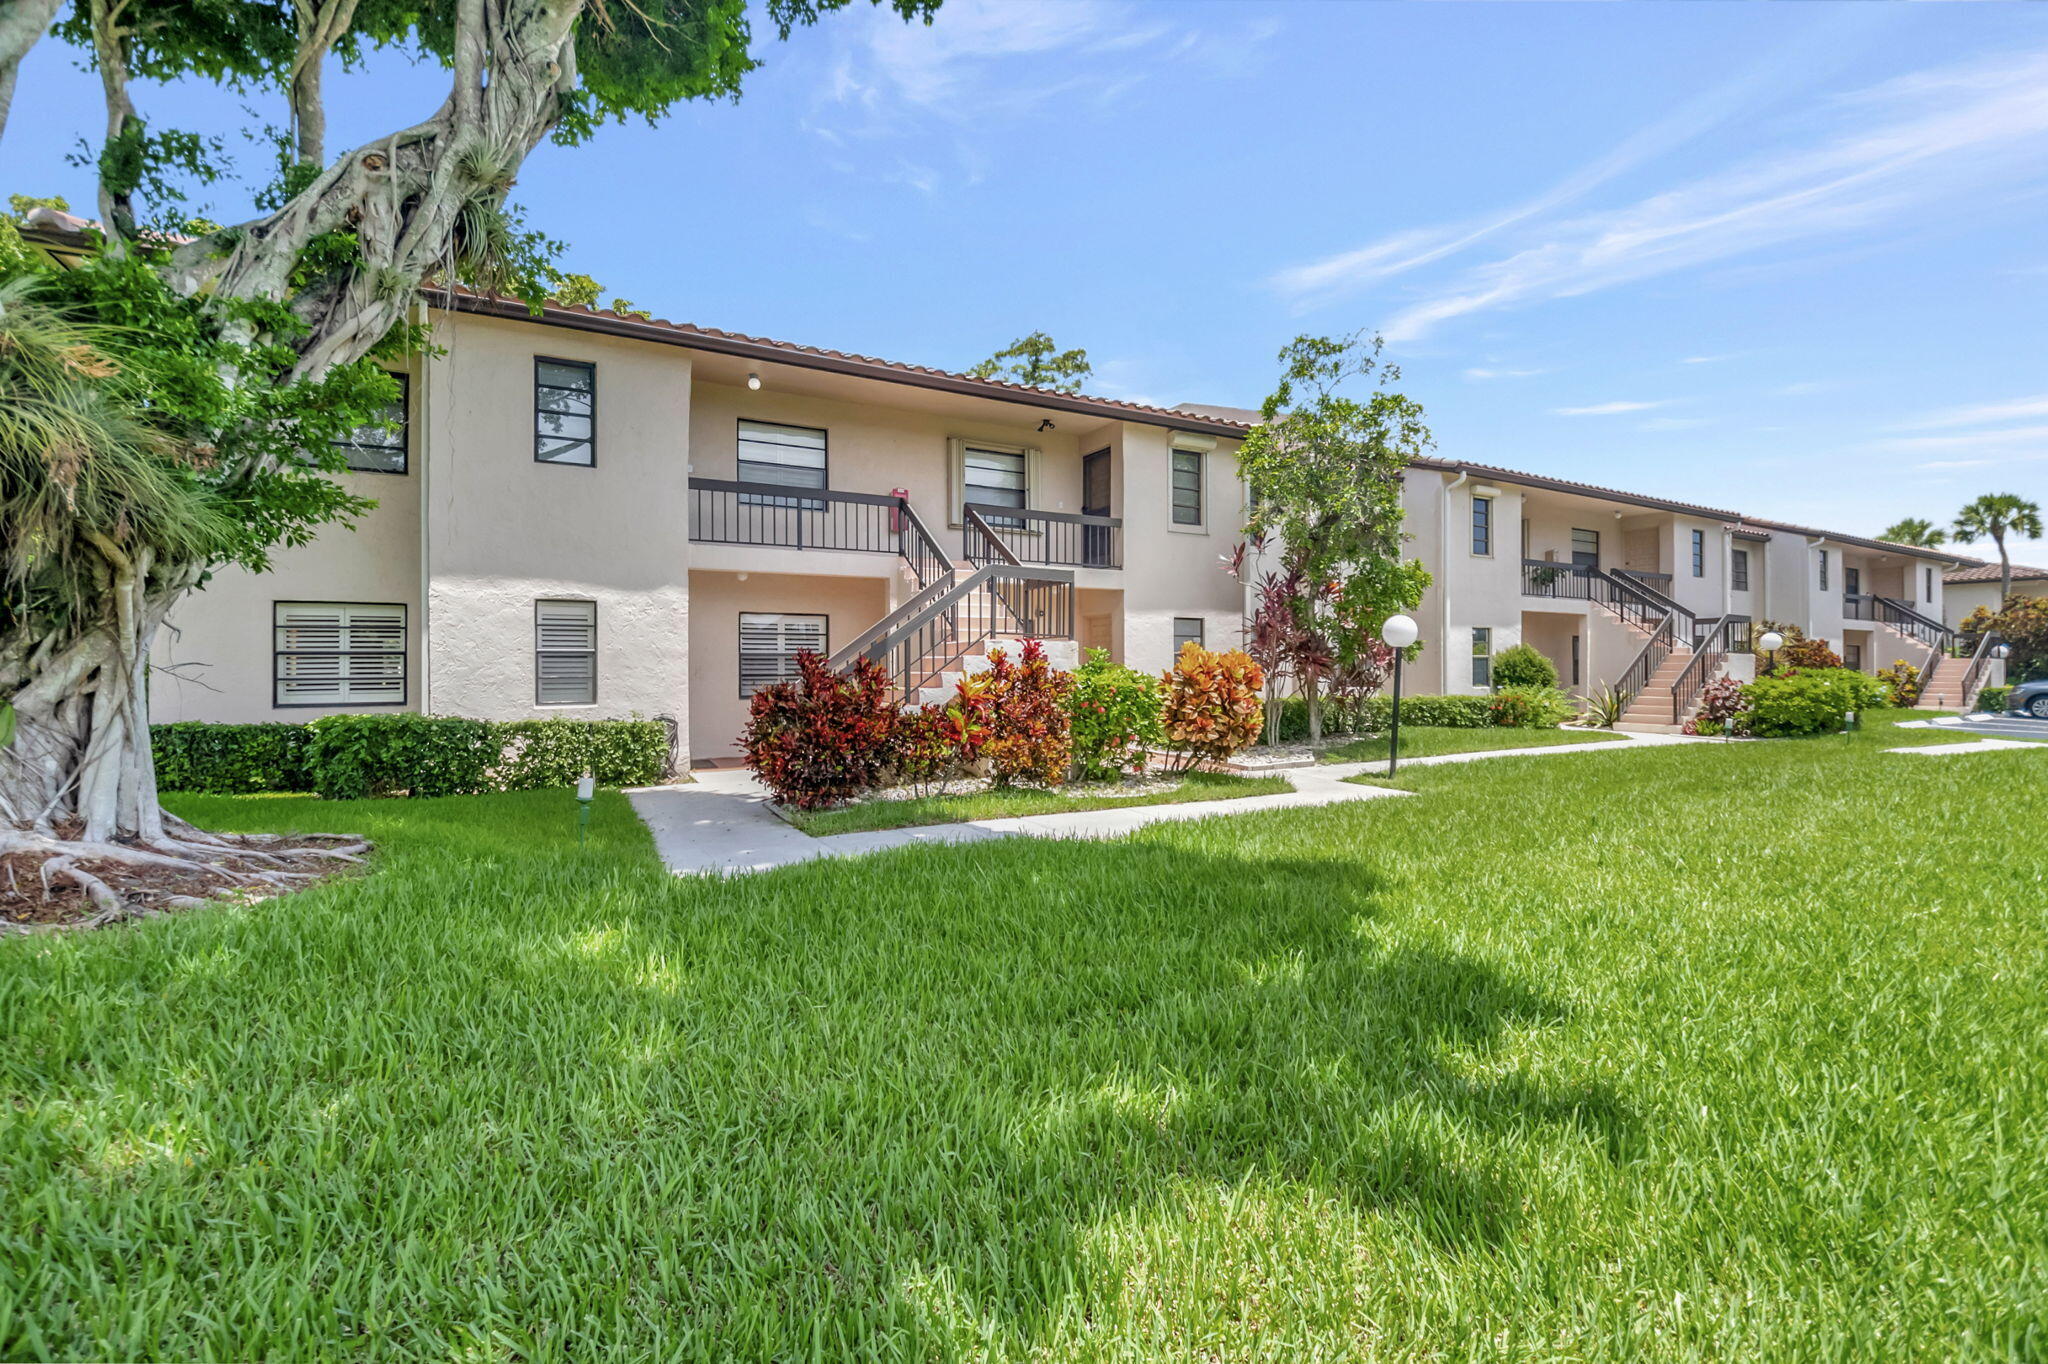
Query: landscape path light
[[1770, 641]]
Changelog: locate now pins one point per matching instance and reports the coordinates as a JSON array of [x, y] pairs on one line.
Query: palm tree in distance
[[1993, 517], [1912, 530]]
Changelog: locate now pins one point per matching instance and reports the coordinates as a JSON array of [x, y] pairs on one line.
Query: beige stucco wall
[[718, 711], [505, 530], [1174, 570], [1961, 599], [213, 660]]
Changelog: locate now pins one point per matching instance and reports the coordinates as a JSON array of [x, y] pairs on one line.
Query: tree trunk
[[22, 23]]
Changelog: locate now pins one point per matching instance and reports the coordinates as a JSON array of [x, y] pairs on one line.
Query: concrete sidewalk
[[720, 824]]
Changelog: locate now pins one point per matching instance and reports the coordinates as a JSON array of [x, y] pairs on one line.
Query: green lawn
[[1425, 741], [1715, 1051], [903, 814]]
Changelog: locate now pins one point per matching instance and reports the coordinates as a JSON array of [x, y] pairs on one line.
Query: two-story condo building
[[590, 514]]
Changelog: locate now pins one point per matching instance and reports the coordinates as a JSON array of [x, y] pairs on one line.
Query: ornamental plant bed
[[981, 800]]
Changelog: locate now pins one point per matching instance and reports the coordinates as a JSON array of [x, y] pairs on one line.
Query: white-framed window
[[327, 653], [770, 642], [1482, 656], [1188, 630], [1482, 525], [1187, 487], [1738, 569], [564, 411], [786, 456], [379, 447], [564, 652]]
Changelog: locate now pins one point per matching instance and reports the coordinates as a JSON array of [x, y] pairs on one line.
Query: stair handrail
[[929, 625], [1629, 582], [1706, 656], [1973, 676], [1657, 648], [931, 564], [1910, 622], [918, 601], [974, 527]]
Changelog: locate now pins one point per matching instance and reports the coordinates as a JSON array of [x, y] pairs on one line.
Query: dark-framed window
[[330, 653], [1738, 569], [1188, 630], [1187, 487], [1929, 580], [1575, 660], [770, 642], [1852, 657], [1699, 554], [1585, 548], [1482, 525], [379, 447], [564, 411], [786, 456], [1482, 656], [564, 652], [1852, 581], [1823, 570], [996, 476]]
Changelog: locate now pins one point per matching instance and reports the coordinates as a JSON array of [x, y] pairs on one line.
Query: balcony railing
[[1058, 539], [1632, 600], [727, 511]]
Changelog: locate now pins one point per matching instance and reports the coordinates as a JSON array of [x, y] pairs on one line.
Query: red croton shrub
[[1213, 705], [1029, 735], [823, 738]]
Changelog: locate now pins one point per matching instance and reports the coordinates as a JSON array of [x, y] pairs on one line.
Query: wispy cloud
[[1608, 409], [1966, 440], [1481, 375], [1930, 139], [1673, 423], [1982, 414], [1705, 359]]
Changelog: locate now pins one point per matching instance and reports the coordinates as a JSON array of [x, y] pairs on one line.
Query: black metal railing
[[1061, 539], [1663, 639], [1627, 596], [1903, 618], [1685, 625], [1973, 676], [1859, 606], [728, 511], [979, 540], [929, 635], [1721, 637]]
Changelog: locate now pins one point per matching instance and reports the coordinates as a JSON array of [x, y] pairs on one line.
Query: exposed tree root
[[49, 881]]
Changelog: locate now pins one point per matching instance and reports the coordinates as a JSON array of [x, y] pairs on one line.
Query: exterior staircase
[[1649, 710], [1942, 689]]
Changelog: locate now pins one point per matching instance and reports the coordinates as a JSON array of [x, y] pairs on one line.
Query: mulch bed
[[25, 904]]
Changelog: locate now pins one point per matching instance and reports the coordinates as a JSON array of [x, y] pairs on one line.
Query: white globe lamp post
[[1770, 641], [1399, 632]]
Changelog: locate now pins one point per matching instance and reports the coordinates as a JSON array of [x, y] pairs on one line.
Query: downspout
[[421, 631], [1443, 595], [1813, 542]]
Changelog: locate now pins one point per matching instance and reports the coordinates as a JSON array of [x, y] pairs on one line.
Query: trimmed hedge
[[1992, 698], [231, 760], [348, 757], [1377, 712]]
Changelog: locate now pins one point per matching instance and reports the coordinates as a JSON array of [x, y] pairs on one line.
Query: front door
[[1095, 540]]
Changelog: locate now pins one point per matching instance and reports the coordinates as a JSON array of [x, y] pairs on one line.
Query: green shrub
[[1439, 712], [1993, 698], [230, 760], [357, 756], [1530, 707], [1523, 666], [1115, 713], [537, 754], [1808, 701]]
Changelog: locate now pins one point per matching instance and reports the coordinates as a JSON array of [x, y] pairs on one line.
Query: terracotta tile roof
[[849, 362], [1988, 573]]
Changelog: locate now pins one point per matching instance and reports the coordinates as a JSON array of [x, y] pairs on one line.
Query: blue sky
[[1786, 258]]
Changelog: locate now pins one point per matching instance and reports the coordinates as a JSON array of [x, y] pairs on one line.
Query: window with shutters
[[1187, 487], [564, 411], [786, 456], [379, 447], [564, 653], [1187, 630], [770, 642], [337, 654]]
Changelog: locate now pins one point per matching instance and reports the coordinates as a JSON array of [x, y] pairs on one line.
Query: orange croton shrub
[[1214, 705]]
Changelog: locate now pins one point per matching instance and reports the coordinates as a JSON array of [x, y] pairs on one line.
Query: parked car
[[2029, 698]]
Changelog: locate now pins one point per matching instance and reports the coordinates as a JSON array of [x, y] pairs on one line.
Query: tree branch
[[22, 25]]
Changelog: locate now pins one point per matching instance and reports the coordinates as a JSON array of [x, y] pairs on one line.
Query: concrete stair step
[[1628, 726]]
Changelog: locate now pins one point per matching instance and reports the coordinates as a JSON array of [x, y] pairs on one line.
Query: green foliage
[[2022, 627], [1115, 714], [352, 757], [1912, 530], [1523, 665], [1530, 707], [378, 755], [1605, 706], [232, 759], [1993, 698], [1808, 701], [1994, 516], [1038, 361], [1901, 682]]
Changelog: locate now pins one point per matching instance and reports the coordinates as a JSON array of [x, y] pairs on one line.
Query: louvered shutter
[[339, 654], [565, 653], [769, 644]]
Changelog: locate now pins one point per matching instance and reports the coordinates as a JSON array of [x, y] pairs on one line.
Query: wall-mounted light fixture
[[754, 381], [1045, 425]]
